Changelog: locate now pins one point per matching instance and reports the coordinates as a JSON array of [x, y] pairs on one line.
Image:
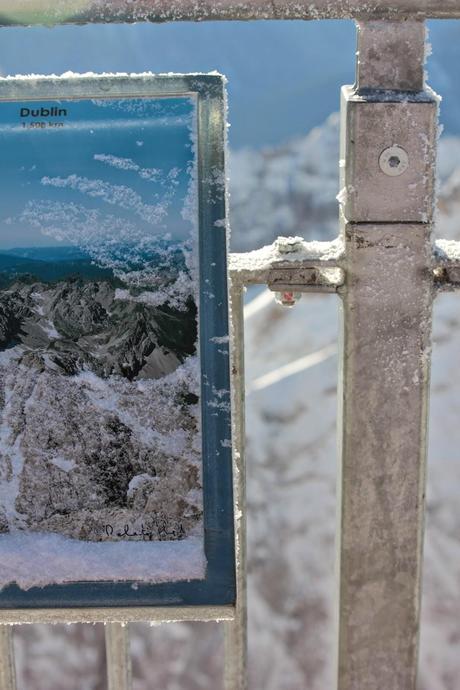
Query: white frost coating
[[18, 12], [116, 195], [96, 75], [220, 340], [342, 196], [447, 251], [34, 560], [128, 164], [190, 209], [263, 259]]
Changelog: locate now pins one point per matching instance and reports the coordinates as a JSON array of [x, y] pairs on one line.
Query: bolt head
[[394, 161]]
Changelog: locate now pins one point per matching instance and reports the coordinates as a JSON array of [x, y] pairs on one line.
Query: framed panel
[[115, 436]]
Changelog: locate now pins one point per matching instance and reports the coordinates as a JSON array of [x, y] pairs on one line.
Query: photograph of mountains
[[99, 376]]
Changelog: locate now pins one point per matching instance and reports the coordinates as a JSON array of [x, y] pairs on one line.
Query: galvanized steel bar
[[7, 668], [383, 69], [49, 12], [118, 656], [312, 266], [387, 321], [387, 202], [235, 660], [122, 614]]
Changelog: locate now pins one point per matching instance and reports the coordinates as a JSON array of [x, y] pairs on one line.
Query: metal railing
[[387, 272], [17, 12]]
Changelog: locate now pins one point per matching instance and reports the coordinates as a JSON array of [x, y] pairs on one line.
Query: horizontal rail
[[139, 614], [49, 12], [293, 264], [290, 263]]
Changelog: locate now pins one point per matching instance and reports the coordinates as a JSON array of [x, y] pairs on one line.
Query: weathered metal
[[122, 614], [384, 392], [118, 657], [383, 69], [313, 267], [387, 303], [7, 666], [236, 652], [375, 122], [49, 12]]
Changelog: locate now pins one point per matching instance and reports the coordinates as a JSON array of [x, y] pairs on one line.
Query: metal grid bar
[[126, 614], [23, 12], [388, 144], [235, 661], [7, 667], [118, 656]]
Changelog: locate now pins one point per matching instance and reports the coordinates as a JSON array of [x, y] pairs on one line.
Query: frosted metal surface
[[25, 12]]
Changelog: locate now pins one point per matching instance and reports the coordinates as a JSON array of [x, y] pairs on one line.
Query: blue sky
[[88, 177], [284, 77]]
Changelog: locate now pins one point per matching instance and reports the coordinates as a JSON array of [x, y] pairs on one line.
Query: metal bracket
[[311, 267]]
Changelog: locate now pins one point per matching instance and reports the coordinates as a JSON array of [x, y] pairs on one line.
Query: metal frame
[[19, 12], [218, 586], [387, 272]]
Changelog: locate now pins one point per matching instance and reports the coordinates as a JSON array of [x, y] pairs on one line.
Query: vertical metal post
[[235, 670], [7, 668], [118, 656], [389, 133]]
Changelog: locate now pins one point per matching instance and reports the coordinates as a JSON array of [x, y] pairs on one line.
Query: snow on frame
[[97, 75]]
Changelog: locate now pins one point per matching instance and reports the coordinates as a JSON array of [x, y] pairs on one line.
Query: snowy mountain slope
[[291, 459]]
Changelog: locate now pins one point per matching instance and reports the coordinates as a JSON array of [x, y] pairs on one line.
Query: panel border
[[218, 587]]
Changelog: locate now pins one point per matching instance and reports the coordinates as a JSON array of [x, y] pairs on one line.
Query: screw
[[394, 161]]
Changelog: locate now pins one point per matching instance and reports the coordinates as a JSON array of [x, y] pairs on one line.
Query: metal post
[[235, 670], [389, 133], [7, 670], [118, 656]]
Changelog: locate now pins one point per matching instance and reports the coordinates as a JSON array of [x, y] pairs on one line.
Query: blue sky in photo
[[122, 159]]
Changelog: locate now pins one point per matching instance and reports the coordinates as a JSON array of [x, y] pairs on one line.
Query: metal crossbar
[[17, 12], [387, 273]]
